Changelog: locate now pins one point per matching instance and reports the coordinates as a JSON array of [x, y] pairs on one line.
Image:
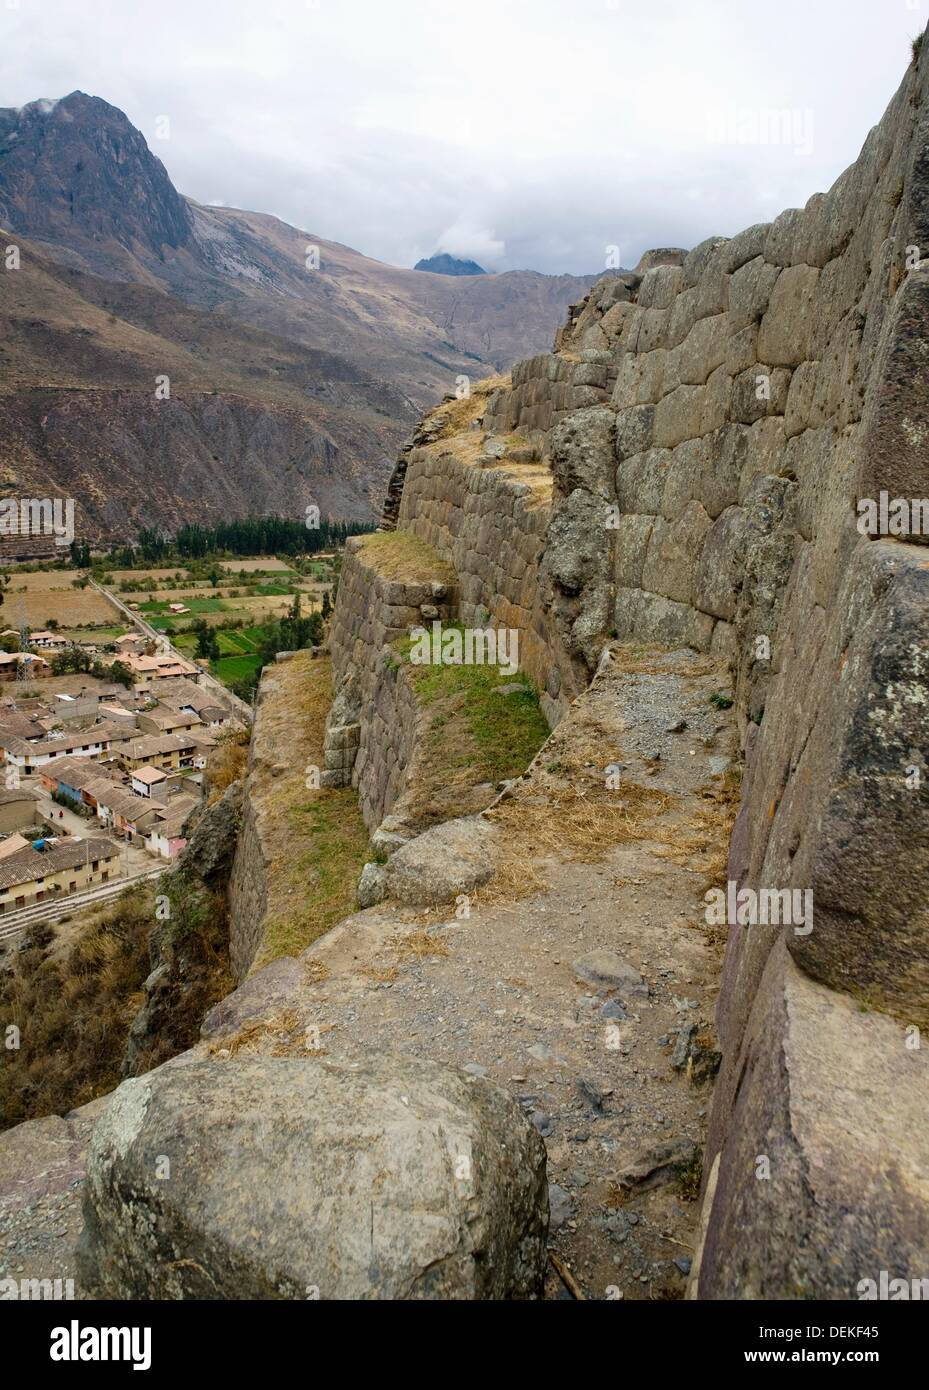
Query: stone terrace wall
[[491, 528], [371, 729], [762, 386]]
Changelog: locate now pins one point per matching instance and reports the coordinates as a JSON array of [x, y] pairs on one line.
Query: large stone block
[[679, 416], [704, 349], [582, 452], [641, 480], [719, 569], [452, 858], [750, 293], [371, 1177], [817, 1162], [673, 550], [634, 430], [786, 333], [866, 856]]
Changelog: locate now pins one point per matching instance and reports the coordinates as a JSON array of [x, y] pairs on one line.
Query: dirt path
[[503, 992]]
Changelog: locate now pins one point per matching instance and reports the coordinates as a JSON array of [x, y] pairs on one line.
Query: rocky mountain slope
[[296, 364]]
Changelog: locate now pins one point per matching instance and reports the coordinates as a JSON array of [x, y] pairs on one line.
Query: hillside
[[297, 365]]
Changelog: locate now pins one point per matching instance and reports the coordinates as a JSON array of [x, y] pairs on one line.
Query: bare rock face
[[211, 846], [452, 858], [820, 1128], [381, 1177]]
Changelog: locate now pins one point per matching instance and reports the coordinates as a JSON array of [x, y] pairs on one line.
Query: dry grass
[[318, 837], [700, 842], [73, 997], [457, 415], [227, 762], [642, 659], [417, 945], [401, 555], [581, 825], [34, 598]]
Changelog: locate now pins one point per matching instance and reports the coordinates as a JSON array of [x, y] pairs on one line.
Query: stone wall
[[711, 423], [371, 730], [490, 524]]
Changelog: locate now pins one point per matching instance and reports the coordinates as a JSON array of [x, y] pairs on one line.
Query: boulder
[[261, 994], [373, 1177], [452, 858], [372, 885]]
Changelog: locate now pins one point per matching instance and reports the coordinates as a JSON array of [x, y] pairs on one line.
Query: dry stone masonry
[[711, 423]]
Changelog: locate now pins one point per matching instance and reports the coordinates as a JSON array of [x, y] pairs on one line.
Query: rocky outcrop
[[212, 838], [377, 1177]]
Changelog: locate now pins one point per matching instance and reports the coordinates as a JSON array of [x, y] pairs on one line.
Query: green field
[[240, 641], [91, 634], [160, 607], [232, 668]]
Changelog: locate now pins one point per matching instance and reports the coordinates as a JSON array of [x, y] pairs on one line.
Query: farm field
[[92, 634], [231, 668], [263, 564], [36, 598]]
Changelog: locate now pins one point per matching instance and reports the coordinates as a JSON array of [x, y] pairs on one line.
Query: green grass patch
[[92, 634], [506, 731], [231, 668], [311, 884]]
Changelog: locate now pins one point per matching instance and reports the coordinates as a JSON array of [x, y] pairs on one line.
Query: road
[[223, 694]]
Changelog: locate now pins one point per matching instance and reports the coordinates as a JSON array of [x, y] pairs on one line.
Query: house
[[178, 608], [162, 666], [63, 866], [130, 642], [129, 815], [170, 752], [106, 796], [31, 755], [144, 779], [20, 725], [20, 665], [165, 839], [52, 640], [168, 721], [12, 845], [188, 698], [215, 717]]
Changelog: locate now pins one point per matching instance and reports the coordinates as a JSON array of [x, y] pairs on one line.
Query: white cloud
[[478, 243], [538, 131]]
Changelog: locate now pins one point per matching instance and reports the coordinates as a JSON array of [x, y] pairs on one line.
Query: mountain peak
[[77, 171], [444, 264]]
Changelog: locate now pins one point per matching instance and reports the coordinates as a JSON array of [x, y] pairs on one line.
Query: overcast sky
[[523, 133]]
